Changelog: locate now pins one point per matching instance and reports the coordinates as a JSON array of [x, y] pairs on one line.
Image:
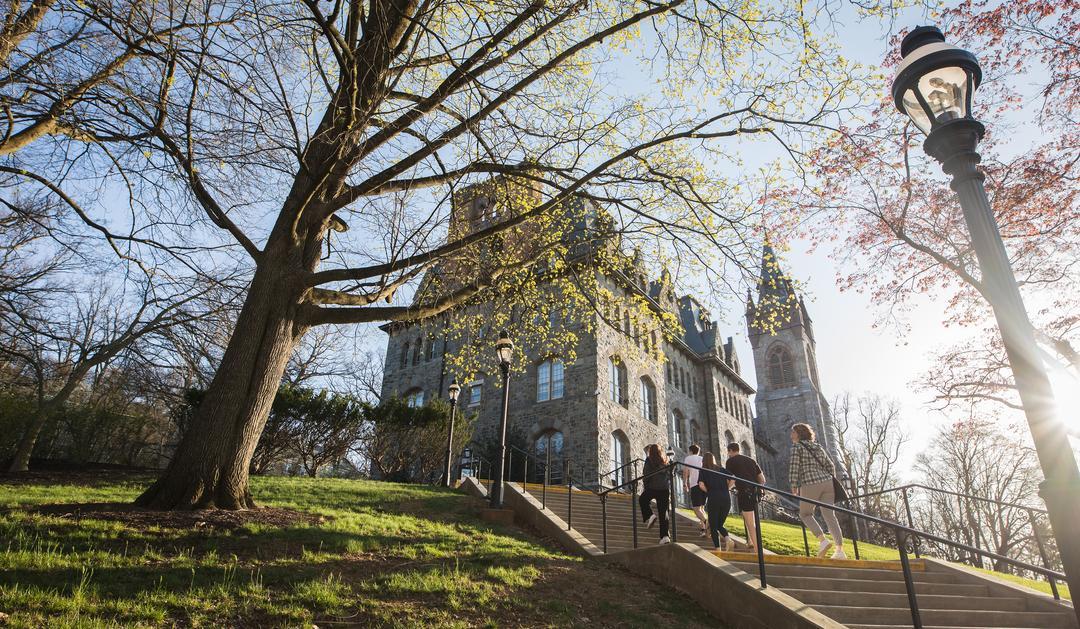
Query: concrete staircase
[[856, 594], [588, 520], [872, 594]]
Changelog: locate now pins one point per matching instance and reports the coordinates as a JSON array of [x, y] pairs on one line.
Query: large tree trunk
[[21, 460], [211, 464]]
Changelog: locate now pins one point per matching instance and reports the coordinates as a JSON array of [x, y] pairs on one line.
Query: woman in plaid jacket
[[811, 476]]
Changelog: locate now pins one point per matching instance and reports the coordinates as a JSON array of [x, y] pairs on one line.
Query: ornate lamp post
[[934, 87], [504, 350], [453, 392]]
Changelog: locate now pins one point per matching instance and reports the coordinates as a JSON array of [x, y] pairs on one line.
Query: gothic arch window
[[617, 376], [677, 428], [549, 441], [550, 384], [414, 398], [648, 399], [418, 351], [620, 456], [405, 355], [431, 347], [781, 367], [729, 437], [744, 448]]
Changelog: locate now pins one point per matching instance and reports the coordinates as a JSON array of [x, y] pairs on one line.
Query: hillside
[[329, 552]]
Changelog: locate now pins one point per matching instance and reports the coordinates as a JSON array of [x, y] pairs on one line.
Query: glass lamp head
[[935, 81], [504, 349], [454, 390]]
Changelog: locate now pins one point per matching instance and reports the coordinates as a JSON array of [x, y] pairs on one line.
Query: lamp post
[[453, 392], [504, 350], [934, 87]]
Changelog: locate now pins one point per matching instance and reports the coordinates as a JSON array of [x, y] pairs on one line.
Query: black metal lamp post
[[934, 87], [453, 392], [504, 350]]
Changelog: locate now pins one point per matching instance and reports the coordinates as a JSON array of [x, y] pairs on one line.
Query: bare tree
[[328, 143], [54, 348], [979, 458]]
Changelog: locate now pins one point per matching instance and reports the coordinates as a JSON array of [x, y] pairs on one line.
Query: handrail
[[951, 493], [1046, 572], [622, 467]]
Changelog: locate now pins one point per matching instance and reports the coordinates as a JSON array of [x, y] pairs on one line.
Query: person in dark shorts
[[690, 484], [742, 466], [717, 488]]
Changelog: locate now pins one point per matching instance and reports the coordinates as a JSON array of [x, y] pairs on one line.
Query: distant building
[[600, 410], [788, 385]]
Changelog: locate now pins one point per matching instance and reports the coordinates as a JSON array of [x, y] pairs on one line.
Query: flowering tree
[[903, 232]]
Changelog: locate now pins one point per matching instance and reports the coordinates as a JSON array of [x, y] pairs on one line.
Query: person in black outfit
[[718, 490], [742, 466], [656, 488]]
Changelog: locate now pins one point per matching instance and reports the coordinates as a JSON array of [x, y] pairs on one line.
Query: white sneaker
[[839, 554], [729, 545], [824, 547], [651, 521], [704, 532], [665, 540]]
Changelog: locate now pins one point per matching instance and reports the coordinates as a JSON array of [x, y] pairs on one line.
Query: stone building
[[600, 410], [788, 385]]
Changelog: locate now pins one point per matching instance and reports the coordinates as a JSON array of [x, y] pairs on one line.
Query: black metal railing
[[1033, 515], [903, 535]]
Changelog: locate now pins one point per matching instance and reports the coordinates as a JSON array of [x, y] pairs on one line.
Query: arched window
[[431, 347], [728, 438], [549, 441], [744, 448], [678, 428], [549, 380], [617, 377], [648, 399], [620, 456], [781, 367], [414, 398], [405, 355], [418, 351]]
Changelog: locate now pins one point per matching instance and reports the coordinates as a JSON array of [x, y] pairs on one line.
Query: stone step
[[829, 572], [861, 585], [946, 618], [900, 600]]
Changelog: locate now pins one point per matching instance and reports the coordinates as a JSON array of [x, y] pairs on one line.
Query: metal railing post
[[805, 542], [634, 505], [603, 508], [1042, 554], [569, 498], [760, 546], [910, 520], [909, 581], [854, 531], [547, 469], [671, 520]]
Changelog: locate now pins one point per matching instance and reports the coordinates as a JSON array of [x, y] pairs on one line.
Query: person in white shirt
[[690, 484]]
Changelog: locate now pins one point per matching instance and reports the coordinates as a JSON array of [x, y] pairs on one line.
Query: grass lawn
[[786, 539], [383, 554]]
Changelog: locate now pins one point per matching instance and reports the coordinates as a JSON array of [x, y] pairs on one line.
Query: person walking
[[717, 489], [656, 488], [692, 463], [811, 475], [742, 466]]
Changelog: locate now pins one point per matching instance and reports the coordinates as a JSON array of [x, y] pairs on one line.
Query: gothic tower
[[788, 387]]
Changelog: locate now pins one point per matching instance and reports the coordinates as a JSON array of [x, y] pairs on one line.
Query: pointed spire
[[773, 280]]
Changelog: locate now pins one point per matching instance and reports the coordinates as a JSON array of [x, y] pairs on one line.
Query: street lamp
[[504, 350], [934, 87], [453, 392]]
